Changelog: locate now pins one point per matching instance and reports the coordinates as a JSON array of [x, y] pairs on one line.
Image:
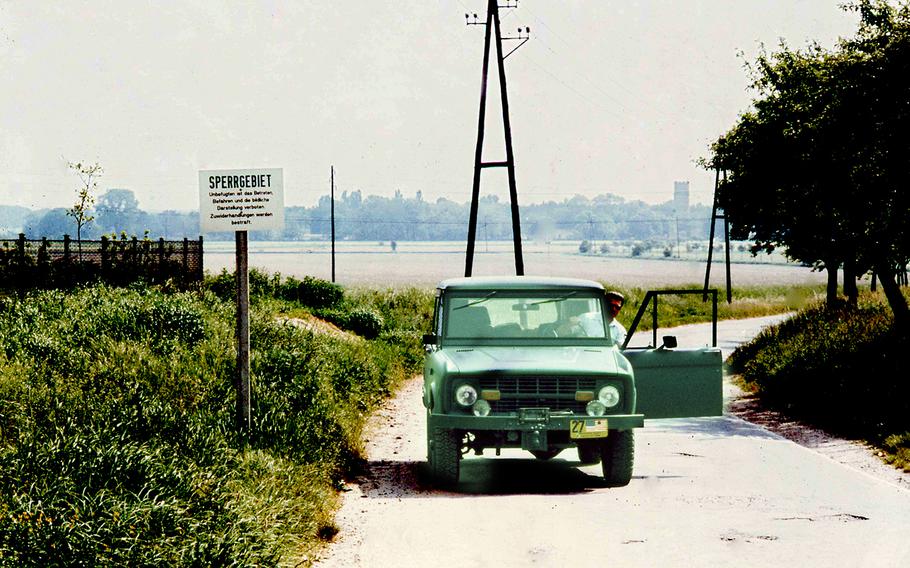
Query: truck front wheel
[[444, 456], [617, 456]]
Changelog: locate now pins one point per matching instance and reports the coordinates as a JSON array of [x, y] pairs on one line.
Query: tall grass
[[117, 444]]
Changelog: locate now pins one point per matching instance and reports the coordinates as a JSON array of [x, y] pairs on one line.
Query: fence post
[[66, 249], [21, 276], [200, 273], [43, 265], [105, 261], [162, 272], [186, 255], [20, 249]]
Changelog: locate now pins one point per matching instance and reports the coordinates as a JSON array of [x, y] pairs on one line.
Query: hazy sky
[[616, 96]]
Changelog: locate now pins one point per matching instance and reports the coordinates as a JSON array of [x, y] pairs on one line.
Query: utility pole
[[593, 242], [486, 240], [332, 198], [714, 217], [493, 30], [677, 234]]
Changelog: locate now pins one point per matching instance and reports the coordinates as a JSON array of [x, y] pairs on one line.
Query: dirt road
[[706, 492]]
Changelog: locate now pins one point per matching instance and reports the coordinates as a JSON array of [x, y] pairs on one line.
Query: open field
[[425, 263]]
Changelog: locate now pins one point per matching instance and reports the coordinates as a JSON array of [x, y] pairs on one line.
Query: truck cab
[[526, 362]]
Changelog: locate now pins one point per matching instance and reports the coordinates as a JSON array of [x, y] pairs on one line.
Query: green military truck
[[526, 362]]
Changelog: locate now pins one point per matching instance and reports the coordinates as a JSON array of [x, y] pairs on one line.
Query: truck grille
[[555, 393]]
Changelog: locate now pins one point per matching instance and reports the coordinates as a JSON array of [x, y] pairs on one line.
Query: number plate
[[591, 428]]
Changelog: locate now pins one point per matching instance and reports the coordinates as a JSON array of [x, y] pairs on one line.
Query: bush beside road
[[842, 369]]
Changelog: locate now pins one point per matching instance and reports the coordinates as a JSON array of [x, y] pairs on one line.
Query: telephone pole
[[493, 30], [332, 214]]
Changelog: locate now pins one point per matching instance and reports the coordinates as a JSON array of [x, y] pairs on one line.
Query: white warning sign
[[241, 200]]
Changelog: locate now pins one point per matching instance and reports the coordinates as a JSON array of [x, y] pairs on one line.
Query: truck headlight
[[595, 408], [466, 395], [481, 408], [608, 396]]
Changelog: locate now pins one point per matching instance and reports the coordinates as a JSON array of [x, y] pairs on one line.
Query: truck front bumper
[[529, 421]]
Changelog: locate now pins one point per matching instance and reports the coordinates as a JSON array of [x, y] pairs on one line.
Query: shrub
[[365, 322], [262, 284], [222, 284], [841, 368], [318, 293]]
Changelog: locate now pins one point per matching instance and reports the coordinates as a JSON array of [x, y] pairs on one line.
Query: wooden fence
[[45, 263]]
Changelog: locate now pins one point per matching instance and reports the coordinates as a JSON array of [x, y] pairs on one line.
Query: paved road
[[706, 492]]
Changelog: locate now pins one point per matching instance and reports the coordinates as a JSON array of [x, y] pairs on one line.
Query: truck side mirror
[[430, 339], [669, 342]]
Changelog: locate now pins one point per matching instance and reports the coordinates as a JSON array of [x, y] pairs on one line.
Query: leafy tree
[[85, 199], [818, 165], [118, 210]]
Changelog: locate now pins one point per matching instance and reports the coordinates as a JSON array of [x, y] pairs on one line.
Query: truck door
[[678, 383], [672, 382]]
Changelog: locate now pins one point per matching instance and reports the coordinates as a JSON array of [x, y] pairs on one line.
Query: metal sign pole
[[243, 333]]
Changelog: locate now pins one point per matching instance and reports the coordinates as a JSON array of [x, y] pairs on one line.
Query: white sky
[[616, 96]]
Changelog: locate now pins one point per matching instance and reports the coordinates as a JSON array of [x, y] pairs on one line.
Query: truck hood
[[556, 360]]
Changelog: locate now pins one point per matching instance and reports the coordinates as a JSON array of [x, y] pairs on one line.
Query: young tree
[[85, 198]]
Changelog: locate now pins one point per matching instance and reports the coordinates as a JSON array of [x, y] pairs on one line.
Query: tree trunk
[[896, 299], [850, 289], [831, 296]]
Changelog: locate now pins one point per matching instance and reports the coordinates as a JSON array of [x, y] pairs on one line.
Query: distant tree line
[[397, 218]]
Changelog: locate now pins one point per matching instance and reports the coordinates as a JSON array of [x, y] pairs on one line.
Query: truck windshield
[[515, 315]]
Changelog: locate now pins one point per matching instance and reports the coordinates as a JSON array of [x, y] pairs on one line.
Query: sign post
[[242, 378], [241, 201]]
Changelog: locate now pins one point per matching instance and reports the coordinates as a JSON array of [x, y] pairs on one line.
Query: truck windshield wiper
[[561, 298], [475, 302]]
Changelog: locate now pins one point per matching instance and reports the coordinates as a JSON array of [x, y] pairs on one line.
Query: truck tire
[[618, 456], [445, 456], [589, 453]]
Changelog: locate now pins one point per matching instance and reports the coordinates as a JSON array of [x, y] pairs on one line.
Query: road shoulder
[[855, 454]]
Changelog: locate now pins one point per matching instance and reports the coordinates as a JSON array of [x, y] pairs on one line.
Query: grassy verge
[[117, 444], [842, 369]]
